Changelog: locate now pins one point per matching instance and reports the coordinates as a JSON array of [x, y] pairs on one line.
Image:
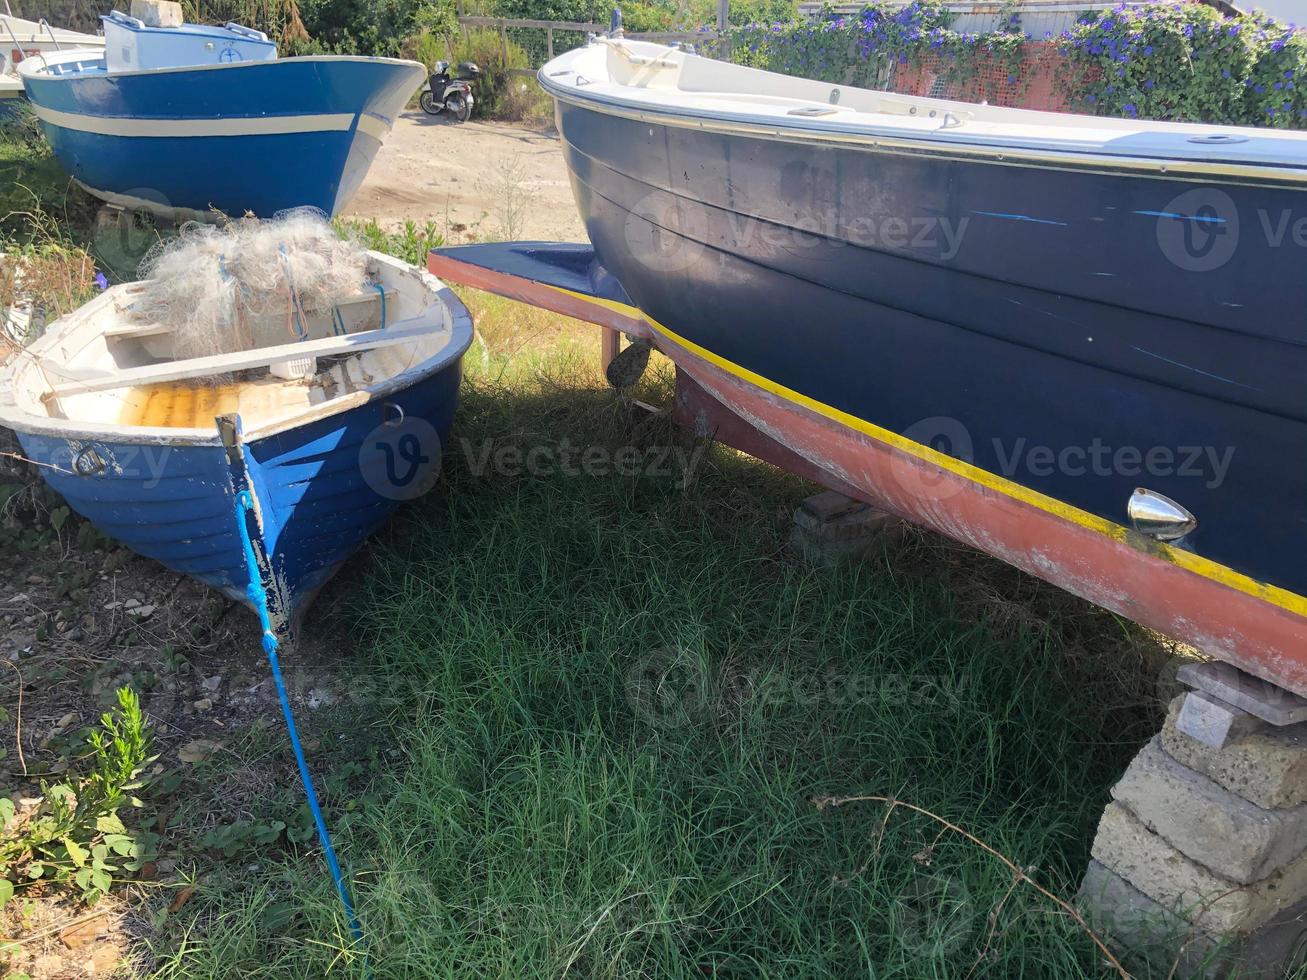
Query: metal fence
[[542, 39]]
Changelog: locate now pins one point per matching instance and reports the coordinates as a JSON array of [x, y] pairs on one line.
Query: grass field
[[613, 700], [589, 701]]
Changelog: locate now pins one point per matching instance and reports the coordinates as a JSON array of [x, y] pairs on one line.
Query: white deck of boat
[[101, 344]]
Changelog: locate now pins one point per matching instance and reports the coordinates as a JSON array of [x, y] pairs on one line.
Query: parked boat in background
[[185, 119], [21, 39], [326, 450], [1060, 339]]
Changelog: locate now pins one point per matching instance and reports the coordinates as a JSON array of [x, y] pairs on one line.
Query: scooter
[[444, 94]]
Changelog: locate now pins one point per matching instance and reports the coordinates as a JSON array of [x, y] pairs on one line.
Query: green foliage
[[863, 49], [410, 244], [76, 837], [494, 57], [1187, 62], [377, 27]]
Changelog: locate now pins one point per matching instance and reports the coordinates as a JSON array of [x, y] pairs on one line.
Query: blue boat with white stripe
[[186, 120], [326, 434]]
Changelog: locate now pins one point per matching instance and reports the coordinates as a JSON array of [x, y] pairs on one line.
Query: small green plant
[[76, 838], [411, 243]]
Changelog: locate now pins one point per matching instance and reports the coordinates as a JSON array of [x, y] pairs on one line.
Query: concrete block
[[830, 527], [1148, 934], [1263, 699], [1268, 767], [1206, 822], [157, 13], [829, 504], [1214, 903], [1213, 722]]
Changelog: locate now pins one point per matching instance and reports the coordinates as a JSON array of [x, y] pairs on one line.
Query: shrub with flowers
[[1275, 94], [1173, 60], [863, 49], [1186, 62]]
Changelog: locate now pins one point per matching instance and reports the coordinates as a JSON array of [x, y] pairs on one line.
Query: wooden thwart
[[199, 367]]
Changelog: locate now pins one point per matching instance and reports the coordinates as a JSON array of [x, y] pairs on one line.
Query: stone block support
[[1200, 860]]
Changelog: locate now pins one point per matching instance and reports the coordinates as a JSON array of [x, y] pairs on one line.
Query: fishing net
[[221, 289]]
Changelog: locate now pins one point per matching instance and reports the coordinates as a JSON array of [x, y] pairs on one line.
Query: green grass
[[610, 702]]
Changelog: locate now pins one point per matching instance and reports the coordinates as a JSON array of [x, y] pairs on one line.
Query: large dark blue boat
[[1076, 343]]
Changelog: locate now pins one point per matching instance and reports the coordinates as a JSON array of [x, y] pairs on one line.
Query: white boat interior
[[647, 80], [104, 372], [21, 39]]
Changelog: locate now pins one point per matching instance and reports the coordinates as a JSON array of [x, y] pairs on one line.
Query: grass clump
[[616, 696]]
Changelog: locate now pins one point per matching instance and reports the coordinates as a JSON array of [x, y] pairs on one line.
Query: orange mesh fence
[[989, 78]]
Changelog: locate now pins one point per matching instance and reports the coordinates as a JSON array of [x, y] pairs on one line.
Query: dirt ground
[[478, 180]]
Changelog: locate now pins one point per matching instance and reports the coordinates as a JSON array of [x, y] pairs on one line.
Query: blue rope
[[381, 291], [338, 322], [259, 597]]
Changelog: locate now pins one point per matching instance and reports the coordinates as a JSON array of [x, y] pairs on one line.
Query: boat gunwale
[[41, 72], [886, 140], [13, 416]]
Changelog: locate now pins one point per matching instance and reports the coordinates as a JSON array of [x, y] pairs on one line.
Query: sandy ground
[[479, 180]]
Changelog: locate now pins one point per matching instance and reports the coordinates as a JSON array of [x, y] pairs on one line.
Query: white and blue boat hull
[[321, 492], [257, 137]]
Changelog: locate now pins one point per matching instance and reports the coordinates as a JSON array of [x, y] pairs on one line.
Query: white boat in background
[[21, 39]]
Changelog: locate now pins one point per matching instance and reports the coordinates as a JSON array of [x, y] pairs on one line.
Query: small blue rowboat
[[185, 120], [161, 464]]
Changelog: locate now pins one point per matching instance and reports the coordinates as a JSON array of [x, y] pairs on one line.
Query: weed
[[506, 187], [75, 836], [411, 243]]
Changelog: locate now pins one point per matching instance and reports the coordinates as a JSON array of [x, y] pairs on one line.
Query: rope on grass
[[822, 802], [259, 597]]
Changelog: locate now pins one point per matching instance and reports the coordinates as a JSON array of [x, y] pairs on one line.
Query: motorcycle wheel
[[429, 104], [458, 108]]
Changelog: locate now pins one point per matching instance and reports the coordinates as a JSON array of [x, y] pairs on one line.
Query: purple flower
[[1130, 108], [101, 280]]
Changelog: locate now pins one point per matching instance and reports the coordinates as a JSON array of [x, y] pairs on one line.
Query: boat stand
[[1200, 861]]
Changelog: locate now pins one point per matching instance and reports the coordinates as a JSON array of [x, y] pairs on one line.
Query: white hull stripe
[[374, 126], [338, 122]]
